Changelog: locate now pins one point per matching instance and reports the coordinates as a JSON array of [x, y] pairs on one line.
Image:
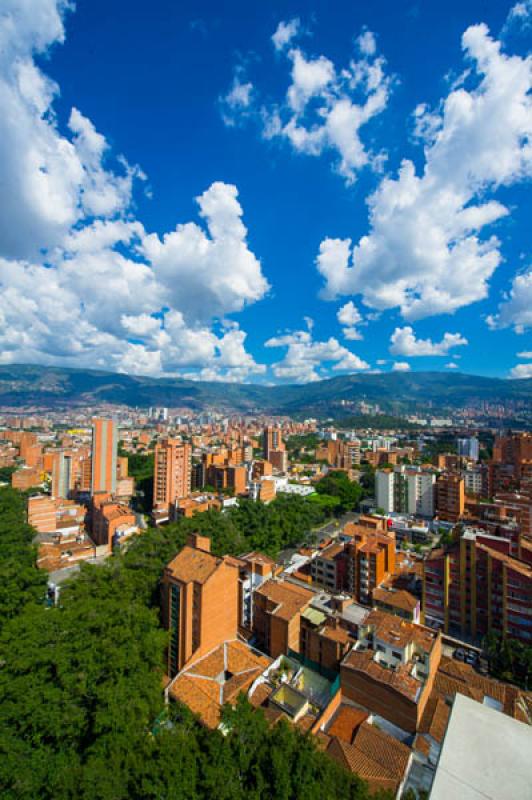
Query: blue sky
[[363, 175]]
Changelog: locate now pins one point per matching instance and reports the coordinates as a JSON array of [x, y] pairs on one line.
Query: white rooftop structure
[[485, 755]]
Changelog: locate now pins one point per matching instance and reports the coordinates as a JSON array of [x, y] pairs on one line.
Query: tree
[[337, 484]]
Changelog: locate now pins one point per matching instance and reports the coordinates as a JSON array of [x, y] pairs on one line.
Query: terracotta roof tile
[[346, 722]]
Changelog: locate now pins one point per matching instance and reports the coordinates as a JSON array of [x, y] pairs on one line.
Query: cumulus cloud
[[325, 107], [400, 366], [451, 365], [285, 32], [82, 282], [304, 357], [521, 371], [429, 249], [52, 181], [403, 342], [515, 310], [350, 317], [525, 354]]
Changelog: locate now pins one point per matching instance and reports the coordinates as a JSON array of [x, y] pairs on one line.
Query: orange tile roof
[[454, 677], [397, 679], [435, 718], [374, 756], [399, 632], [218, 678], [288, 597], [398, 599], [346, 722], [193, 565]]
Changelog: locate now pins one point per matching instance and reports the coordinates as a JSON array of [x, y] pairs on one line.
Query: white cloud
[[519, 18], [427, 250], [366, 43], [326, 107], [521, 371], [400, 366], [285, 32], [304, 357], [516, 308], [51, 180], [208, 275], [525, 354], [237, 101], [451, 365], [81, 281], [349, 317], [403, 342]]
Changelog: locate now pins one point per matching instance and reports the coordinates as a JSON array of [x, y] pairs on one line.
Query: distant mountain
[[56, 387]]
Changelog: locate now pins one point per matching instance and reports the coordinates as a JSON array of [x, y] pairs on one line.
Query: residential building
[[277, 610], [111, 522], [172, 472], [200, 602], [384, 490], [450, 497], [62, 474], [271, 440], [104, 450], [469, 448], [370, 560], [26, 478], [41, 513], [227, 477], [217, 678], [391, 669], [475, 586]]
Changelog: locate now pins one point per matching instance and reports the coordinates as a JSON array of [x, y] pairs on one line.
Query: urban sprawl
[[392, 622]]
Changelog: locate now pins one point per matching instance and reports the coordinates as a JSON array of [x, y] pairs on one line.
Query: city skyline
[[274, 196]]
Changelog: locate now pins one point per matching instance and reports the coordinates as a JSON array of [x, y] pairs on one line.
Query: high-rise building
[[62, 475], [271, 440], [407, 490], [469, 448], [450, 497], [104, 448], [475, 586], [172, 476], [384, 490], [201, 605]]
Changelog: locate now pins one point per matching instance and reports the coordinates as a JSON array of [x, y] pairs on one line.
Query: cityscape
[[265, 400], [372, 587]]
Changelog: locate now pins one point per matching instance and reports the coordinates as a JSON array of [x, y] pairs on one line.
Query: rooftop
[[288, 598], [485, 756], [195, 565], [218, 678], [373, 755]]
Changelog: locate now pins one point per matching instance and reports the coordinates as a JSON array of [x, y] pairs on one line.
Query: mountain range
[[25, 386]]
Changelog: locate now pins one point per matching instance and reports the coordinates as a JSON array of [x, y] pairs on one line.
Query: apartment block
[[370, 560], [271, 440], [172, 472], [450, 497], [407, 490], [42, 513], [277, 610], [226, 477], [110, 522], [26, 478], [475, 586], [104, 449], [200, 602], [391, 669]]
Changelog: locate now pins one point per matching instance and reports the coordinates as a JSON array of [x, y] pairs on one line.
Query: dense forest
[[81, 702]]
